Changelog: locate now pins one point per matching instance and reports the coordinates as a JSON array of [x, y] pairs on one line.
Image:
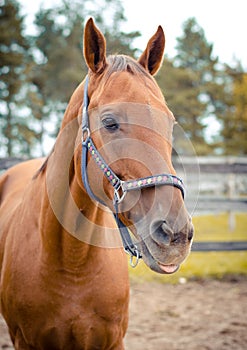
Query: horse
[[64, 272]]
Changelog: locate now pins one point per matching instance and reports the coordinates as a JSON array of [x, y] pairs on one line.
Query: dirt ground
[[205, 315]]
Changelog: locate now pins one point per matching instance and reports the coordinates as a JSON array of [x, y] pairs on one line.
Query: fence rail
[[214, 202], [209, 204], [6, 163], [219, 246]]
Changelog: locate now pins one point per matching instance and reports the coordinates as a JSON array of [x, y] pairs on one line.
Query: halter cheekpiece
[[120, 187]]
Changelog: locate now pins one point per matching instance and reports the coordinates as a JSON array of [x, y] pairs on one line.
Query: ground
[[198, 315]]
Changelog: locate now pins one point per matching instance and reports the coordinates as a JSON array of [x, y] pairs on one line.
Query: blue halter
[[120, 187]]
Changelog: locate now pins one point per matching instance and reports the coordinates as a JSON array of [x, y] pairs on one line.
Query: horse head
[[130, 125]]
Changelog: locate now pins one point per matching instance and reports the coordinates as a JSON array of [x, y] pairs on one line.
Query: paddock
[[175, 316]]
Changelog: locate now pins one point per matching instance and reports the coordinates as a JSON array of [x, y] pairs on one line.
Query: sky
[[224, 22]]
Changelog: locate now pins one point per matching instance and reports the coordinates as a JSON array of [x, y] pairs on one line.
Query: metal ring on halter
[[137, 257], [118, 198]]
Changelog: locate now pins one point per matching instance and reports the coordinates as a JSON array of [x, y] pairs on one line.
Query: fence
[[215, 184]]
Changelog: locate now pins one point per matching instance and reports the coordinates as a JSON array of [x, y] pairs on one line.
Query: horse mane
[[116, 63], [43, 165], [124, 63]]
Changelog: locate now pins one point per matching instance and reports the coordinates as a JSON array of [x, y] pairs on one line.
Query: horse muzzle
[[164, 249]]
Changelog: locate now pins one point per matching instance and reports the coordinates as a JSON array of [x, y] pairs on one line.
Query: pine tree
[[195, 55], [181, 95], [240, 115], [234, 113], [14, 62], [59, 41]]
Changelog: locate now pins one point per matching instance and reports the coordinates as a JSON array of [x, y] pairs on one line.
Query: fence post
[[231, 193]]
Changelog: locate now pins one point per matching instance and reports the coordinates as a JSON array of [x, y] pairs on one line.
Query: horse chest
[[84, 330], [66, 315]]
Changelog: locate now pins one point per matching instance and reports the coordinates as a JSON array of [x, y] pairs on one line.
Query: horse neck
[[74, 230], [62, 229], [73, 227]]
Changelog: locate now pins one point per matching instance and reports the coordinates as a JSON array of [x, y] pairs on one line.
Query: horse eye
[[110, 124]]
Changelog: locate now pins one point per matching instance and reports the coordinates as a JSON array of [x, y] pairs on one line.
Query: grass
[[216, 227], [206, 264]]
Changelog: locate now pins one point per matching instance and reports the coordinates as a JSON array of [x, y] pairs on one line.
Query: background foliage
[[40, 72]]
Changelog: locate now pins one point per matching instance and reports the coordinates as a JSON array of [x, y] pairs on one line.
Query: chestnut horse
[[64, 272]]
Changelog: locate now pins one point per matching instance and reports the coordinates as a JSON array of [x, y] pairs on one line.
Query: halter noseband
[[120, 187]]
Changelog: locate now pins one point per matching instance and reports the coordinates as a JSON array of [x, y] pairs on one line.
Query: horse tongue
[[169, 268]]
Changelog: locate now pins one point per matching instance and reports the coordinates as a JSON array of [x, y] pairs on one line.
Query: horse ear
[[94, 47], [152, 56]]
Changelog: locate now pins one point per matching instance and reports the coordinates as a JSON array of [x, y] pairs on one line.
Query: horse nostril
[[191, 234], [161, 233]]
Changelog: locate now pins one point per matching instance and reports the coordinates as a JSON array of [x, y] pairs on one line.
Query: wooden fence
[[214, 184]]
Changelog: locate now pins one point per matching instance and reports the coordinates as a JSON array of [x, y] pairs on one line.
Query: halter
[[120, 187]]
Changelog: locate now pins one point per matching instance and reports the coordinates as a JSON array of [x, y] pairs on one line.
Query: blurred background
[[204, 82]]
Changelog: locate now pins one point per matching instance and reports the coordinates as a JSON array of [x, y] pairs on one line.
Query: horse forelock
[[124, 63]]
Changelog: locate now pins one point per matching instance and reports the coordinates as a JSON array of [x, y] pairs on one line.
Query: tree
[[240, 115], [195, 59], [181, 95], [60, 66], [233, 140], [14, 63]]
